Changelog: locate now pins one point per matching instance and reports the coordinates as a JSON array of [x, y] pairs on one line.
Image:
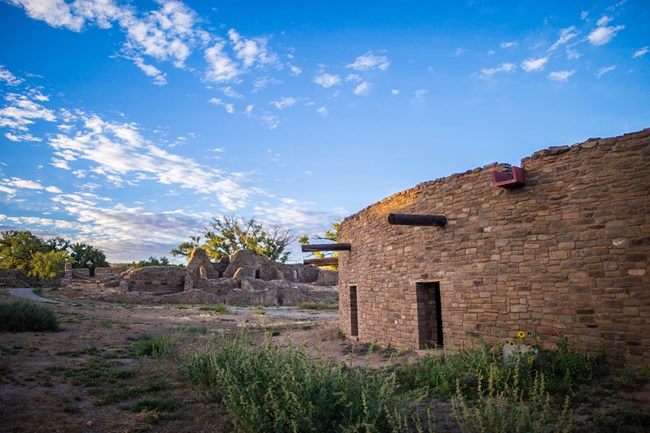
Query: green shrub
[[517, 408], [278, 388], [23, 315], [318, 306], [157, 347]]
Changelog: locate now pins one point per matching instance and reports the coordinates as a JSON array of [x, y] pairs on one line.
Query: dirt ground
[[88, 378]]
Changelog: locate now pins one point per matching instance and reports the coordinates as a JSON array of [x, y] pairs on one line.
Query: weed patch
[[318, 306], [26, 316]]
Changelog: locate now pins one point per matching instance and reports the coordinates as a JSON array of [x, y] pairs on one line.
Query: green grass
[[217, 308], [258, 310], [25, 316], [279, 388], [318, 306], [157, 347], [153, 404], [38, 291]]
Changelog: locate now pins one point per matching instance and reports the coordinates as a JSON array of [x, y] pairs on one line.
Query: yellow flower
[[512, 343], [521, 334], [530, 359]]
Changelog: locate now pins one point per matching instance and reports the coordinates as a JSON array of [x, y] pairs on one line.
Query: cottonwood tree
[[185, 248], [227, 234], [48, 264], [86, 256], [17, 249]]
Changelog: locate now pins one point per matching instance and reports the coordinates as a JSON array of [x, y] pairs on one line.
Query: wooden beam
[[417, 220], [327, 261], [325, 247]]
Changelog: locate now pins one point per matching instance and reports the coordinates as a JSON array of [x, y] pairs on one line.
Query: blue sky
[[129, 125]]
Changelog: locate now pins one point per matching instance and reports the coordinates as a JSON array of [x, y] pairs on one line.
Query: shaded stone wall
[[566, 255]]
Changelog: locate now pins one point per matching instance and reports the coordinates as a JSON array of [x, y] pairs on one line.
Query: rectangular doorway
[[429, 315], [354, 318]]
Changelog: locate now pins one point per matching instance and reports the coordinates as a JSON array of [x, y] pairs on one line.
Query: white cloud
[[159, 77], [270, 121], [356, 78], [394, 92], [370, 61], [327, 80], [230, 108], [603, 21], [419, 96], [603, 35], [565, 36], [509, 44], [284, 102], [322, 111], [572, 54], [604, 70], [294, 70], [21, 112], [221, 68], [533, 65], [8, 77], [362, 89], [584, 15], [119, 153], [231, 93], [251, 51], [491, 53], [262, 82], [56, 13], [22, 137], [560, 75], [459, 51], [641, 52], [503, 68], [16, 183]]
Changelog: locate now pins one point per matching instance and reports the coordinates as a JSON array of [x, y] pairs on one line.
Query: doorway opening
[[354, 316], [429, 315]]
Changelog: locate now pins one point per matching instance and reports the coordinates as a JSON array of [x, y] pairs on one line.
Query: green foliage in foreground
[[25, 316], [279, 388], [441, 376]]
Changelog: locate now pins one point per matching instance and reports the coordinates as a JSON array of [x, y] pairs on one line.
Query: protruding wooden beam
[[325, 247], [327, 261], [417, 220]]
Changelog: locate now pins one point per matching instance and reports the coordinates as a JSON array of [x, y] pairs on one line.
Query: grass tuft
[[26, 316]]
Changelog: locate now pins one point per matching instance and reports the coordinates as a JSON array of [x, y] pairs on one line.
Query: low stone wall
[[157, 280]]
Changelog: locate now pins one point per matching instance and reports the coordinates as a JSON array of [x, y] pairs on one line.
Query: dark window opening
[[257, 274], [354, 318], [429, 315]]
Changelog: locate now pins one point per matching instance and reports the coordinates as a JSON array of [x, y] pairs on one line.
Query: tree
[[185, 248], [152, 261], [17, 249], [86, 256], [56, 244], [332, 235], [48, 264], [229, 234]]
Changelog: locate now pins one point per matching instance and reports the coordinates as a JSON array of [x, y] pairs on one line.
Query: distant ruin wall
[[565, 255]]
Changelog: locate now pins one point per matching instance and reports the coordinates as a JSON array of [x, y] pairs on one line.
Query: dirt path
[[29, 294]]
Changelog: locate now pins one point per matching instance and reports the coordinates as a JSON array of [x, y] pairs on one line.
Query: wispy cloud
[[327, 80], [159, 77], [8, 77], [22, 111], [565, 36], [604, 70], [509, 44], [322, 111], [418, 96], [284, 102], [459, 51], [362, 89], [220, 67], [506, 68], [560, 75], [640, 52], [534, 65], [370, 61], [251, 51], [603, 34]]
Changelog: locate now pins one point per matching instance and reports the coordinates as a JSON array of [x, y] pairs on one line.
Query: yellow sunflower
[[521, 334]]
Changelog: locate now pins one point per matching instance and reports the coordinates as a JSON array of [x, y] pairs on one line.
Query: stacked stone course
[[564, 256]]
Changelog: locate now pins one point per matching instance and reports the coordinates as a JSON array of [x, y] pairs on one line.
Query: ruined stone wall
[[566, 255]]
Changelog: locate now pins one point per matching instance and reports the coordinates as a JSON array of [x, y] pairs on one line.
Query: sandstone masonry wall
[[565, 255]]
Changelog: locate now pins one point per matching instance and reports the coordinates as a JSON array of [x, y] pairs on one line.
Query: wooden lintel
[[325, 247], [417, 220], [327, 261]]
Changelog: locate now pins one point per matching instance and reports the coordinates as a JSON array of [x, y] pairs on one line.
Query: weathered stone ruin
[[557, 248], [243, 278]]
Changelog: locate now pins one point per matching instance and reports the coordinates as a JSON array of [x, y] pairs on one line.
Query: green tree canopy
[[152, 261], [86, 256], [225, 235], [48, 264], [17, 249]]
